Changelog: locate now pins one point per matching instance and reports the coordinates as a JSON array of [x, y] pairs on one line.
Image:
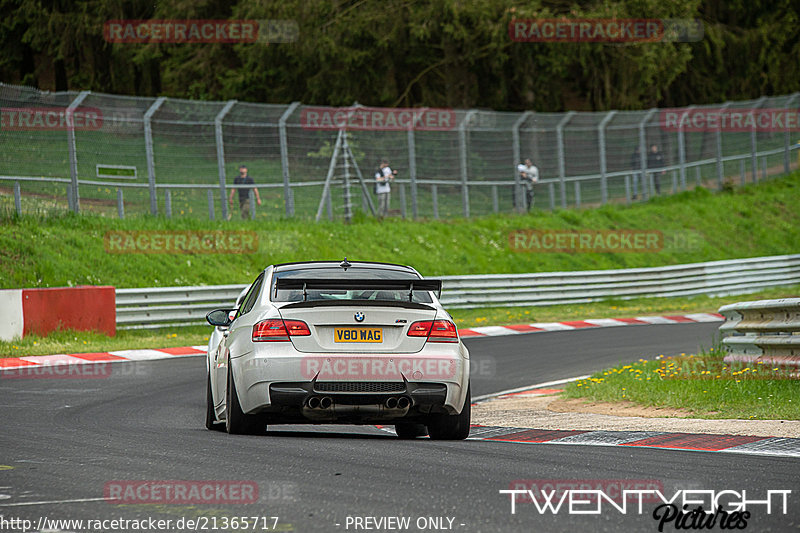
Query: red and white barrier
[[40, 311]]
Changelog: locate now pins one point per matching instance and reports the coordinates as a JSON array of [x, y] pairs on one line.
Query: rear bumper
[[356, 402], [282, 385]]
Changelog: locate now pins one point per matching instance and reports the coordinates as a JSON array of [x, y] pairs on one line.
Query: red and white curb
[[773, 446], [494, 331], [100, 357]]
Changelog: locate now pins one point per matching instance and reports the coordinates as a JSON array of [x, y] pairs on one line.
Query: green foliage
[[701, 386], [756, 220], [448, 53]]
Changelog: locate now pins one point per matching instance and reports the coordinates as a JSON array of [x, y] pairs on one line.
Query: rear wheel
[[236, 421], [407, 430], [451, 427], [211, 416]]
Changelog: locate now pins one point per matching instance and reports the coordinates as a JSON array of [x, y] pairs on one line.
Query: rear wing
[[410, 285]]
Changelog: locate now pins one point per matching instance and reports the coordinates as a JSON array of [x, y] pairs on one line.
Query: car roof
[[328, 264]]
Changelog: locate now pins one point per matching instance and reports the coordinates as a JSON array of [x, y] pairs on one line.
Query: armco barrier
[[39, 311], [188, 305], [764, 330]]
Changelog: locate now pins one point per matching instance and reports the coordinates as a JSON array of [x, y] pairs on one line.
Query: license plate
[[357, 334]]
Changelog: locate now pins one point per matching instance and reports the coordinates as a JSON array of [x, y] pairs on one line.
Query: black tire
[[211, 422], [236, 421], [452, 427], [407, 430]]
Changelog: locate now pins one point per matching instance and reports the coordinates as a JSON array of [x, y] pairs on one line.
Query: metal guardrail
[[764, 330], [158, 307]]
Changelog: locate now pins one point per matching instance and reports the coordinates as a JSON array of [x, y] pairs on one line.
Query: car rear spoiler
[[410, 285]]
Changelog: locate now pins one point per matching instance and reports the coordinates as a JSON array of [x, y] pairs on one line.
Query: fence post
[[562, 167], [435, 199], [495, 200], [252, 199], [753, 141], [786, 143], [519, 197], [742, 172], [148, 148], [720, 163], [168, 203], [552, 191], [412, 166], [628, 189], [17, 198], [120, 204], [402, 189], [682, 147], [462, 145], [210, 204], [288, 197], [348, 206], [221, 155], [601, 142], [644, 176], [75, 204], [577, 184]]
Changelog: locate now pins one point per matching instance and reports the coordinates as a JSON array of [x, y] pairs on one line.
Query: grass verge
[[69, 250], [499, 316], [68, 341], [702, 385]]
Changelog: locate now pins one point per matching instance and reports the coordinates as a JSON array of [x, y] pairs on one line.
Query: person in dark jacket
[[654, 161], [636, 166]]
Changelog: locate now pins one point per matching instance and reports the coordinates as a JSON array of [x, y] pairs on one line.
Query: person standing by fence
[[244, 193], [655, 161], [528, 174], [383, 188], [636, 166]]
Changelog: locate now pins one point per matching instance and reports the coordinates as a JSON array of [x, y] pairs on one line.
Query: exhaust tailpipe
[[403, 403], [313, 402], [391, 403], [325, 403]]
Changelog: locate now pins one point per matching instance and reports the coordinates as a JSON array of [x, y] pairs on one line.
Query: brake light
[[434, 330], [277, 330]]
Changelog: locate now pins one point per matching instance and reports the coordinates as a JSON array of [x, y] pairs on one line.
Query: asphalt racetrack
[[66, 444]]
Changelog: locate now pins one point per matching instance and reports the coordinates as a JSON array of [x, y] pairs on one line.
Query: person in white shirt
[[529, 174], [383, 187]]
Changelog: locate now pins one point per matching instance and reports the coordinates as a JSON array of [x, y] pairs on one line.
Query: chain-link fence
[[122, 155]]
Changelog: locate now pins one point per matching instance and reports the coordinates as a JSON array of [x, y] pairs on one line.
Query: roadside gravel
[[552, 412]]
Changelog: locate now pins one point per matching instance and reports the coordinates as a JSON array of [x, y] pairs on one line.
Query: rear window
[[353, 272]]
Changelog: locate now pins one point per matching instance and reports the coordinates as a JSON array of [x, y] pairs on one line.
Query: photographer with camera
[[383, 178]]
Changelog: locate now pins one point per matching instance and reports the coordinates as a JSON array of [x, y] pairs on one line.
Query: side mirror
[[219, 317]]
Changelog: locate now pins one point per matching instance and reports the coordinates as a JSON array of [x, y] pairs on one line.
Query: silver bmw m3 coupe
[[339, 343]]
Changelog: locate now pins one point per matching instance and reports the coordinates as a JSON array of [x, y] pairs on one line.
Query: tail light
[[434, 330], [277, 330]]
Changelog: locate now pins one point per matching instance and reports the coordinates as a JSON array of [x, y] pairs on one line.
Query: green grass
[[702, 386], [498, 316], [66, 250]]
